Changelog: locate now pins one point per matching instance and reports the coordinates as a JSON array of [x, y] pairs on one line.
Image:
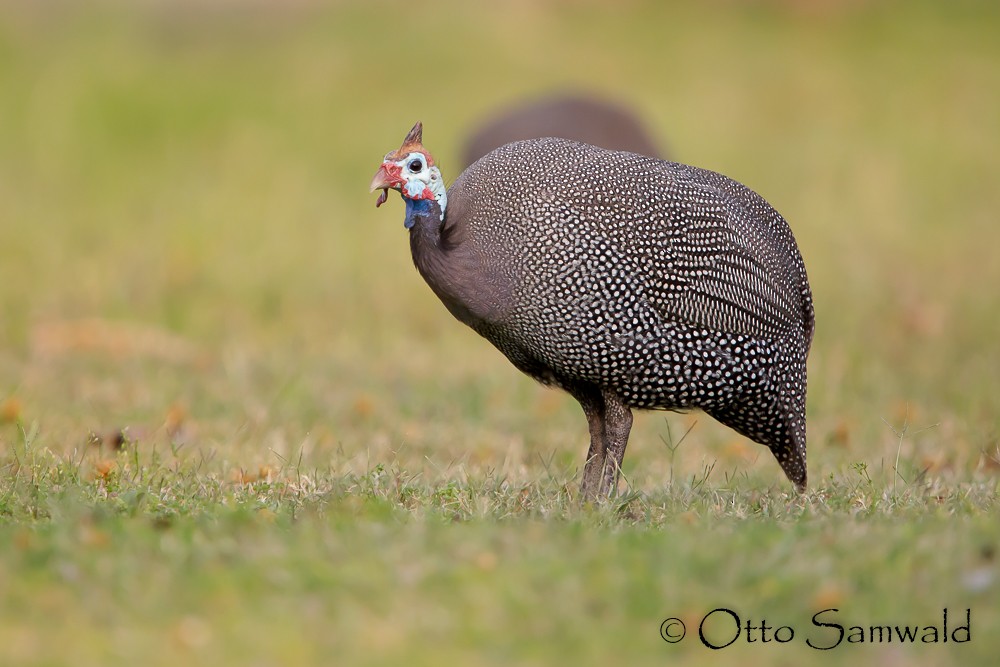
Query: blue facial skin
[[418, 208]]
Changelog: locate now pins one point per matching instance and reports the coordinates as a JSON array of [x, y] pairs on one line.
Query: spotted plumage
[[630, 282]]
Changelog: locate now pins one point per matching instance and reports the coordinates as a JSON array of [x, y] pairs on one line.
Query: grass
[[157, 558], [236, 428]]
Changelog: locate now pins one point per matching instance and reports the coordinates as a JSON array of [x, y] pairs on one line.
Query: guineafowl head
[[410, 169]]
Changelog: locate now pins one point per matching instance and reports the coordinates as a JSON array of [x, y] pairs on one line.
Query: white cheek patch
[[414, 188]]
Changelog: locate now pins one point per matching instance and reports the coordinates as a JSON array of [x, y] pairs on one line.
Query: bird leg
[[593, 472], [617, 424], [609, 421]]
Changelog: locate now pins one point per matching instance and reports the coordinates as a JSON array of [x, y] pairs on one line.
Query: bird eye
[[415, 165]]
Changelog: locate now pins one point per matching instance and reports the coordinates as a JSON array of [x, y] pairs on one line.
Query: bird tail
[[777, 421], [784, 436]]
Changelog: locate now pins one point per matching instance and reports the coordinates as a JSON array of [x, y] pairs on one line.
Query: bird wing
[[729, 262]]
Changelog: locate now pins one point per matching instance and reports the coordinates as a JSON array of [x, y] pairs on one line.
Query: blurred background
[[188, 247]]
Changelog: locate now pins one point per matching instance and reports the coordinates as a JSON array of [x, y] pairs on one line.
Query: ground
[[236, 428]]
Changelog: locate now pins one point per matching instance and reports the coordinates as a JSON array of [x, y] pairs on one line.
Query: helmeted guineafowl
[[627, 281], [578, 116]]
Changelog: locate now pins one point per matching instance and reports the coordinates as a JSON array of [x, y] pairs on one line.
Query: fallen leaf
[[114, 338], [10, 410], [689, 517], [935, 462], [91, 536], [23, 539], [738, 449], [840, 436], [192, 632], [174, 421], [990, 461], [104, 468], [115, 438], [904, 414], [486, 561], [829, 596], [364, 405], [241, 476]]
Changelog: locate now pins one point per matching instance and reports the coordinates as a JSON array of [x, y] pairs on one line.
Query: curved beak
[[383, 180]]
